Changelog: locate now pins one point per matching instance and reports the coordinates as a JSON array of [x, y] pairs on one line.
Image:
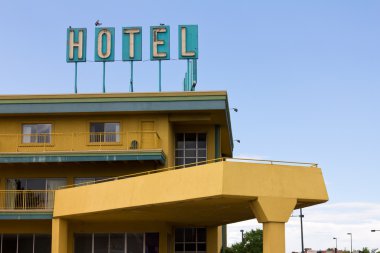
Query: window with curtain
[[36, 133], [104, 132], [38, 192]]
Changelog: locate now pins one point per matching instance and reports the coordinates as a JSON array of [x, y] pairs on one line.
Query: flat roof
[[113, 102]]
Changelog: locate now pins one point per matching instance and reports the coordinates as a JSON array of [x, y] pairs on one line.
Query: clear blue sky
[[305, 75]]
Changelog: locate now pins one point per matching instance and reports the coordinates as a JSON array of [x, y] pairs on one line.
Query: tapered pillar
[[273, 213], [59, 236]]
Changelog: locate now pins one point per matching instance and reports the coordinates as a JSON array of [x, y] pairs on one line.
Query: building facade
[[136, 172]]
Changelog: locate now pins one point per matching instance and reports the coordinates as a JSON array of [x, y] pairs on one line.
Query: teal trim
[[112, 99], [26, 216], [111, 107], [85, 157], [228, 118]]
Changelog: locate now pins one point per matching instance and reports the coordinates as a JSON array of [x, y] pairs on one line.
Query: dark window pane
[[151, 242], [190, 140], [179, 153], [190, 247], [201, 234], [83, 243], [190, 161], [179, 143], [42, 244], [9, 243], [179, 247], [117, 242], [202, 153], [25, 243], [190, 234], [36, 184], [179, 161], [100, 243], [191, 153], [201, 140], [201, 247], [135, 243], [179, 235], [96, 127]]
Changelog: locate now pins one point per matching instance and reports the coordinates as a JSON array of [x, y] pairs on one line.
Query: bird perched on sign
[[97, 23]]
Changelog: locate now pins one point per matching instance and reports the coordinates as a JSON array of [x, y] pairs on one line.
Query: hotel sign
[[132, 43]]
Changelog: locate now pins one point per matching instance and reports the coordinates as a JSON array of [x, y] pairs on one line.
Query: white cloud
[[322, 223]]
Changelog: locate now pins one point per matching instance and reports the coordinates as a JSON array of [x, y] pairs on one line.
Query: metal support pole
[[131, 82], [188, 75], [191, 75], [104, 77], [350, 234], [76, 78], [301, 217], [159, 75]]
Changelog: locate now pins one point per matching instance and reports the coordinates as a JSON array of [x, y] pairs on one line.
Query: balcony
[[26, 200], [81, 146], [26, 204]]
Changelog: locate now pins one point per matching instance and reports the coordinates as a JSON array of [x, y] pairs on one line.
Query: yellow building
[[134, 173]]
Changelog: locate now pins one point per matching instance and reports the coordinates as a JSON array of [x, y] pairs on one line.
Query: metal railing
[[79, 141], [21, 200], [250, 160]]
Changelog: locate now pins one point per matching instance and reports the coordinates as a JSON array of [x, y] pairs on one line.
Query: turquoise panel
[[75, 36], [190, 49], [38, 158], [137, 48], [161, 37], [26, 216], [106, 52]]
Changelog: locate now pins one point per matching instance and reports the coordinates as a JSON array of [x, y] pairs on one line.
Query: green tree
[[252, 243], [365, 250]]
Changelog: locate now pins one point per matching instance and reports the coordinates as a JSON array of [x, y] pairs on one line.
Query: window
[[104, 132], [116, 243], [25, 243], [190, 149], [190, 240], [36, 133]]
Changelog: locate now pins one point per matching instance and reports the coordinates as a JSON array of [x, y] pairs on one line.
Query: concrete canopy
[[206, 195]]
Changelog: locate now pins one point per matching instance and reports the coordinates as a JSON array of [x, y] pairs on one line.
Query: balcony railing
[[79, 142], [21, 200]]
